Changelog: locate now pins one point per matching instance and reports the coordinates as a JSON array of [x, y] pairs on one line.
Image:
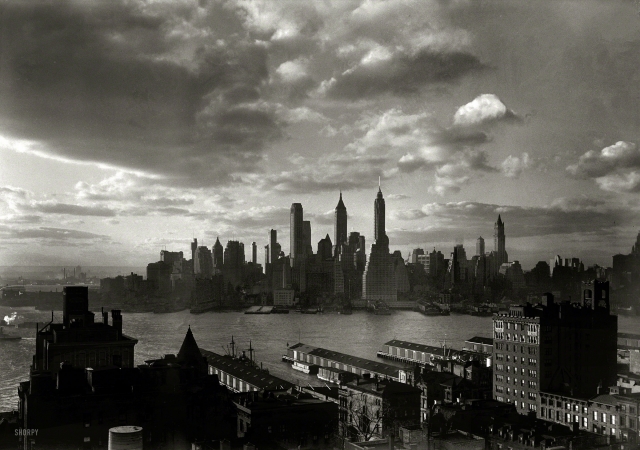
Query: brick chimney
[[116, 319]]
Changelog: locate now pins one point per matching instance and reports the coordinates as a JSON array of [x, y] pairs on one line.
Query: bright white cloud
[[484, 108]]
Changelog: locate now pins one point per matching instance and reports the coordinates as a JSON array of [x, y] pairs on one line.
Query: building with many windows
[[560, 348]]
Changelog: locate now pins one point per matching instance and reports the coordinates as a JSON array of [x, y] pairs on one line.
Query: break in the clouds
[[615, 168]]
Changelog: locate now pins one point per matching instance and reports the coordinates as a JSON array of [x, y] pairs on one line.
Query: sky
[[128, 127]]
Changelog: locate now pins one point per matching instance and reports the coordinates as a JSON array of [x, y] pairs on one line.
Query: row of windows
[[603, 417], [521, 405], [566, 405], [508, 369], [515, 348], [530, 327], [508, 358]]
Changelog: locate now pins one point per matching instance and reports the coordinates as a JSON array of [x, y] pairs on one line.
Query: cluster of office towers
[[474, 273], [340, 266]]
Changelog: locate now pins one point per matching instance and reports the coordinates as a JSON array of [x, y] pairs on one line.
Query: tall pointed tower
[[339, 226], [379, 280], [218, 254], [379, 232], [499, 242]]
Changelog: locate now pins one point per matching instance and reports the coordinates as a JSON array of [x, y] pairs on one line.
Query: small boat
[[8, 337]]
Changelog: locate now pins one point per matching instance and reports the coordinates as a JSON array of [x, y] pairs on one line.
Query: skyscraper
[[480, 246], [296, 232], [218, 255], [499, 243], [203, 262], [339, 226], [254, 253], [274, 247], [379, 233], [194, 246], [234, 263], [307, 249], [379, 279]]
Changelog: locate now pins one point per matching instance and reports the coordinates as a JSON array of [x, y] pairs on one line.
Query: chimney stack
[[116, 319]]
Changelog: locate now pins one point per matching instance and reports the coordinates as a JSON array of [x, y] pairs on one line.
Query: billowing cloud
[[614, 168], [483, 109], [513, 166], [593, 164], [628, 182]]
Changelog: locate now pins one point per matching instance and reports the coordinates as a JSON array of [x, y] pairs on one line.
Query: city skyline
[[128, 128]]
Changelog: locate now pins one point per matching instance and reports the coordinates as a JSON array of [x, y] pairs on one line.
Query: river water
[[360, 334]]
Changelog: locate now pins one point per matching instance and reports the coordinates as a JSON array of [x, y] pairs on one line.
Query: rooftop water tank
[[125, 438]]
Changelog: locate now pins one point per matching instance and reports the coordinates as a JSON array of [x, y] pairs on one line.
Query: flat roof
[[342, 358], [413, 346], [361, 363], [481, 340]]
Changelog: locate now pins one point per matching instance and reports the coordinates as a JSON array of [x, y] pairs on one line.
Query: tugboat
[[8, 337]]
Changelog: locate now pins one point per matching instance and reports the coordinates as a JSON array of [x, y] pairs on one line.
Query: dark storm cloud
[[403, 74], [111, 83]]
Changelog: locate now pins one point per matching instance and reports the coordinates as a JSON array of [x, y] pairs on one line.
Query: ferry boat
[[311, 369], [8, 337]]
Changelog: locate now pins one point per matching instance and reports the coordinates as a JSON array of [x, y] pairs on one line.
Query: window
[[584, 422], [603, 418], [595, 415], [613, 419]]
